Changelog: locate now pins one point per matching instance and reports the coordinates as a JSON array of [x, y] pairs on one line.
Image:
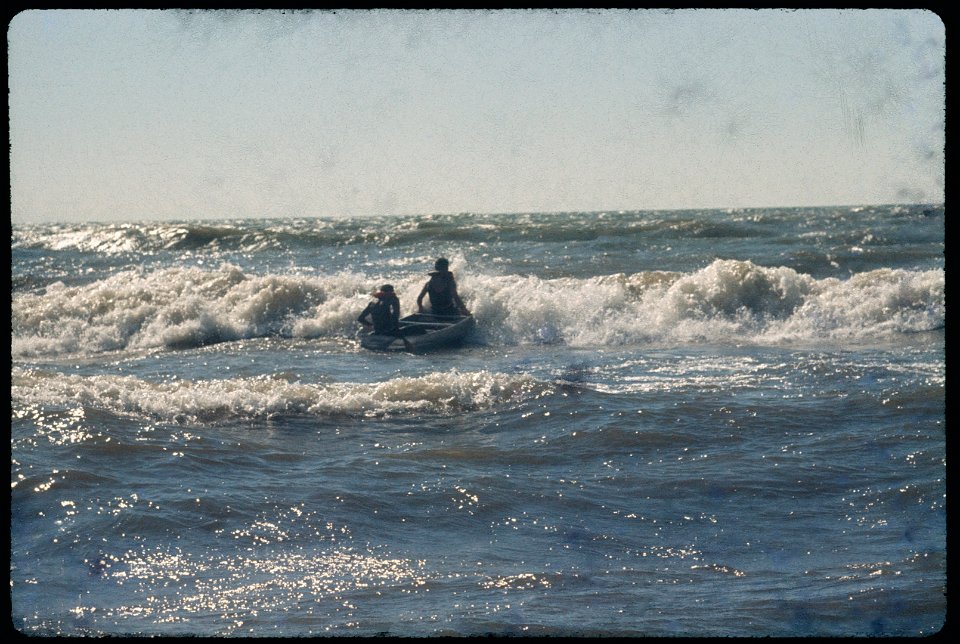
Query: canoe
[[422, 332]]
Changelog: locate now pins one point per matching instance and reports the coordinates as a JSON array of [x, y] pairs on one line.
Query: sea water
[[665, 423]]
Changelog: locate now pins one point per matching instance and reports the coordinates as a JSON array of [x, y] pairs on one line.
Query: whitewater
[[665, 423]]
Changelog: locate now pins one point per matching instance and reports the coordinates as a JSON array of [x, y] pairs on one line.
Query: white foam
[[264, 396], [726, 301]]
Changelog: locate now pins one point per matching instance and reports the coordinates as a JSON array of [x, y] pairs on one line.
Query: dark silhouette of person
[[383, 312], [442, 289]]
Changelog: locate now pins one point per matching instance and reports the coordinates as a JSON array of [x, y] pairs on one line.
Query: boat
[[422, 332]]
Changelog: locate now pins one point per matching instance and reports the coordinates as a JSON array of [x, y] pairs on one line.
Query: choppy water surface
[[682, 423]]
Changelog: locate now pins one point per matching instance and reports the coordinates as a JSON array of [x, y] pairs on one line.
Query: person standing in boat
[[442, 289], [383, 313]]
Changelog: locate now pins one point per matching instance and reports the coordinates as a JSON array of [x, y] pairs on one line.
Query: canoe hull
[[422, 332]]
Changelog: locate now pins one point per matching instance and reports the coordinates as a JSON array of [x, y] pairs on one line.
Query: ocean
[[665, 423]]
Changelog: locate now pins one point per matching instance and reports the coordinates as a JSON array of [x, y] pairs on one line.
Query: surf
[[179, 400], [728, 300]]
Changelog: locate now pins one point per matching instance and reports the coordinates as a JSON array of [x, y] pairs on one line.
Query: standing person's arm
[[456, 298], [420, 297]]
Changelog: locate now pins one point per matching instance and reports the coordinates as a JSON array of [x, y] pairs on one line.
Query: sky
[[121, 115]]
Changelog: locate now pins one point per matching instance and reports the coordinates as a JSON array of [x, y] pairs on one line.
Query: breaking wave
[[728, 300], [260, 397]]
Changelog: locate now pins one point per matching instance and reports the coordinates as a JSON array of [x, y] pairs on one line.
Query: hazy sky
[[141, 114]]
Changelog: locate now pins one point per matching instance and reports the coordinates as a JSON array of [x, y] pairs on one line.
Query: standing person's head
[[442, 264]]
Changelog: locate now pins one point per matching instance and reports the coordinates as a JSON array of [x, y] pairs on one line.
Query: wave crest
[[266, 396], [728, 300]]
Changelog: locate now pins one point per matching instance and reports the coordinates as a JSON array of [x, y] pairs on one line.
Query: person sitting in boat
[[442, 289], [383, 312]]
